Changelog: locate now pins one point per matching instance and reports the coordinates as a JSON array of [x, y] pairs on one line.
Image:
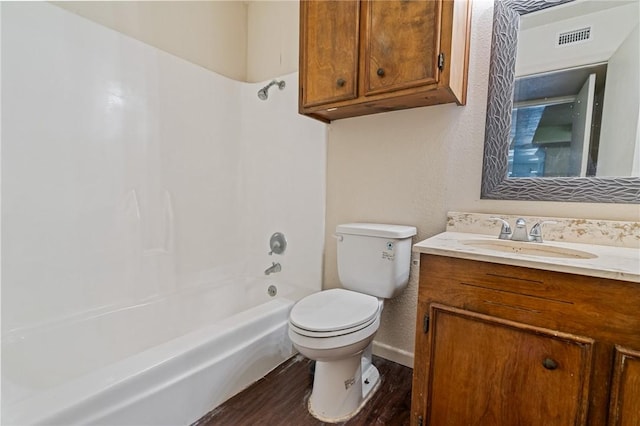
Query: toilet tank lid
[[377, 230]]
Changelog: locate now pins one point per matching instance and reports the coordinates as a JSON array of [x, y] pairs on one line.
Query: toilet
[[336, 327]]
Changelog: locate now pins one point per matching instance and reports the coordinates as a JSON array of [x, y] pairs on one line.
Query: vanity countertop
[[620, 263]]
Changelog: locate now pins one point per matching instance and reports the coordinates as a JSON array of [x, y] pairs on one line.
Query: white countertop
[[612, 262]]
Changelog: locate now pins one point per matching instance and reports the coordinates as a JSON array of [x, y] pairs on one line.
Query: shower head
[[263, 93]]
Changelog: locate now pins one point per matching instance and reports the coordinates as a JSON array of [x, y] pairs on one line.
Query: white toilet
[[336, 327]]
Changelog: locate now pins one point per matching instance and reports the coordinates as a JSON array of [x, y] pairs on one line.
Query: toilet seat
[[334, 312], [333, 344], [335, 333]]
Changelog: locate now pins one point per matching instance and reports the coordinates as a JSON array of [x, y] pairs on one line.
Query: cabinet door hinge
[[425, 324], [419, 420], [441, 61]]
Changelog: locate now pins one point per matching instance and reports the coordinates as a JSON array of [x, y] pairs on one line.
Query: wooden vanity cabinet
[[625, 390], [361, 57], [505, 372], [506, 345]]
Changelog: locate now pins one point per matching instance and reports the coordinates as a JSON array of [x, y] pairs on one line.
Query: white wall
[[128, 173], [283, 173], [537, 46], [618, 151]]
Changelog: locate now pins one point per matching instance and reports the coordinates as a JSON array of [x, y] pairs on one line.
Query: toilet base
[[341, 388]]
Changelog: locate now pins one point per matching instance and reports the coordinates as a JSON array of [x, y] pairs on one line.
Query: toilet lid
[[333, 310]]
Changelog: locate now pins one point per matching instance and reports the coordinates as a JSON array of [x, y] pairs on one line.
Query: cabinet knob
[[549, 364], [380, 72], [341, 82]]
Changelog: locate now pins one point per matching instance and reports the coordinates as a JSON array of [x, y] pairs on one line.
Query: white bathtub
[[167, 361]]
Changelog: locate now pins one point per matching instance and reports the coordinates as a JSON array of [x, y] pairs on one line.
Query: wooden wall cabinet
[[361, 57], [506, 345]]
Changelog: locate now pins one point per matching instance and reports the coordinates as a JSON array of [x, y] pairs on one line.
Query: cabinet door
[[401, 45], [329, 51], [484, 370], [625, 389]]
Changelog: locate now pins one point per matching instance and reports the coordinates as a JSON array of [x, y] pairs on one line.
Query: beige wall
[[244, 40], [212, 34], [272, 48], [411, 167]]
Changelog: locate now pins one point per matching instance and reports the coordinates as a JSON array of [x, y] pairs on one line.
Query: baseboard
[[393, 354]]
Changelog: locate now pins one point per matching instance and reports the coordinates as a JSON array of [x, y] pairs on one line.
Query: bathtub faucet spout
[[275, 267]]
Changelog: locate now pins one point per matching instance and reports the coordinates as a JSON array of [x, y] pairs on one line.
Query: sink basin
[[530, 249]]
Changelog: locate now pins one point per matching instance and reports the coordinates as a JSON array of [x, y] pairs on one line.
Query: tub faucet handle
[[275, 247], [277, 243]]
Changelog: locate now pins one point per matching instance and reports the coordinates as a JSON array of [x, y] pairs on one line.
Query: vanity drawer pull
[[549, 364]]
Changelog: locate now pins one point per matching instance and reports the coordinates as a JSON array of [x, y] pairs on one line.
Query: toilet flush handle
[[338, 237]]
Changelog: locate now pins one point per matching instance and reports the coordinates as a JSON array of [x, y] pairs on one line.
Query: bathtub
[[167, 361]]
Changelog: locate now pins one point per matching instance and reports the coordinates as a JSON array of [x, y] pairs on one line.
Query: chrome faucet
[[520, 231], [505, 231], [535, 234], [275, 267]]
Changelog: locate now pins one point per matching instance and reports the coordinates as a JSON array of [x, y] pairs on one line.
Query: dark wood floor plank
[[280, 399]]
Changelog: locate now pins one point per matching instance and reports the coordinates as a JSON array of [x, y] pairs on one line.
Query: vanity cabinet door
[[329, 42], [625, 388], [486, 370]]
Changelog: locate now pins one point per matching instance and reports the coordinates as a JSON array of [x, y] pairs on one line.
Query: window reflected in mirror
[[555, 123], [575, 100]]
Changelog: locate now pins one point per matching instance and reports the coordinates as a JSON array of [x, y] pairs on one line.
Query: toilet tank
[[374, 258]]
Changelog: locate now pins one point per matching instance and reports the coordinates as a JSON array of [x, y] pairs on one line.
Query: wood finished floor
[[281, 398]]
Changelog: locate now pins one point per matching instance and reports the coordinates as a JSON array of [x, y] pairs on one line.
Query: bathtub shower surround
[[184, 355], [138, 191]]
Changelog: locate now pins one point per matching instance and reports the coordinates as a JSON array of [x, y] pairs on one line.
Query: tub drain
[[272, 290]]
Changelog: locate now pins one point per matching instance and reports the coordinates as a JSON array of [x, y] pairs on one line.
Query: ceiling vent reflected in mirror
[[575, 36], [529, 33]]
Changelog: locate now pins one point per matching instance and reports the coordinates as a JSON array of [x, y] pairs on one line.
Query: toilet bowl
[[336, 327]]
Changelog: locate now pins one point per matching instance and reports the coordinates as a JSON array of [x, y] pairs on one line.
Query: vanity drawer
[[601, 307]]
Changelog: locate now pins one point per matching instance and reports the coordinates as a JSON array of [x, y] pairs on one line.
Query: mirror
[[562, 113]]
